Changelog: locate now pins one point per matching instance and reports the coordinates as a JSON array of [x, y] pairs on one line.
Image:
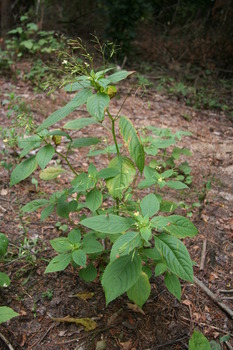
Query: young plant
[[121, 233], [6, 313]]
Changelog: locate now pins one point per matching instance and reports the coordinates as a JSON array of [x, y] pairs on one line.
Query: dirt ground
[[163, 323]]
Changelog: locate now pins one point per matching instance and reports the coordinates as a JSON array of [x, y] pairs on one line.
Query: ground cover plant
[[121, 235]]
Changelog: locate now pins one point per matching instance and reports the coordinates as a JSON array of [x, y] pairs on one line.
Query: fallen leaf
[[84, 295], [113, 317], [4, 192], [87, 323], [187, 302], [101, 345], [135, 308]]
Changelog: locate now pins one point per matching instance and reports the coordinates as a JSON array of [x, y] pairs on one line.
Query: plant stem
[[113, 131], [68, 163]]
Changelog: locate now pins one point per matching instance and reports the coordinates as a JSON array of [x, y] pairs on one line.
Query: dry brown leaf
[[87, 323], [187, 302], [135, 308], [84, 295]]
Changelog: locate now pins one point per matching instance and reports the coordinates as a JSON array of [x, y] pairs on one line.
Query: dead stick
[[225, 291], [6, 341], [203, 255], [218, 301]]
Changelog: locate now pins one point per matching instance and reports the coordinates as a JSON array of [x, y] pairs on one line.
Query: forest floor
[[163, 323]]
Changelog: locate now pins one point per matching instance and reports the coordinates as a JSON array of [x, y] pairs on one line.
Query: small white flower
[[4, 285], [64, 62]]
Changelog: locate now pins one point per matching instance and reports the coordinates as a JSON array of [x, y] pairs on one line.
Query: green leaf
[[23, 170], [65, 208], [74, 236], [175, 255], [34, 205], [96, 105], [120, 275], [140, 291], [4, 280], [118, 76], [6, 313], [51, 173], [77, 86], [177, 185], [79, 257], [167, 206], [90, 245], [28, 144], [3, 244], [199, 342], [82, 183], [118, 184], [176, 225], [160, 269], [173, 284], [88, 274], [44, 155], [107, 224], [133, 142], [46, 212], [125, 244], [78, 100], [61, 244], [107, 173], [94, 199], [149, 205], [80, 123], [59, 263], [84, 142]]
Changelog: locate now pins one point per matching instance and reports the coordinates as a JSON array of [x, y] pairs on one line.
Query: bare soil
[[164, 323]]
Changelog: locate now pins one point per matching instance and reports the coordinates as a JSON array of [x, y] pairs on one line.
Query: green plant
[[120, 232], [6, 313], [199, 342]]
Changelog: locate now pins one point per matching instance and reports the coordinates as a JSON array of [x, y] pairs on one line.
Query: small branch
[[6, 341], [203, 255], [217, 300], [226, 291]]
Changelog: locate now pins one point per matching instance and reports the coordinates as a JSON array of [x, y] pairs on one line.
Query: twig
[[203, 255], [205, 325], [225, 291], [43, 337], [228, 345], [6, 341], [217, 300], [171, 342]]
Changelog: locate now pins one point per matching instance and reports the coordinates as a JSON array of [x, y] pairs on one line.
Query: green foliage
[[199, 342], [119, 229], [6, 313]]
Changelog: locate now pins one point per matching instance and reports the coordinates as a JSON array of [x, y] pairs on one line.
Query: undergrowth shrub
[[121, 227]]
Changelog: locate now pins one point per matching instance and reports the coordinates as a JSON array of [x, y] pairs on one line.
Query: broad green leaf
[[96, 105], [4, 280], [176, 225], [46, 212], [133, 142], [78, 100], [160, 269], [146, 233], [3, 244], [90, 245], [92, 171], [82, 183], [175, 255], [74, 236], [118, 76], [125, 244], [120, 275], [167, 206], [108, 224], [34, 205], [118, 184], [140, 291], [80, 123], [65, 208], [59, 263], [84, 142], [107, 173], [61, 244], [89, 273], [147, 183], [51, 173], [6, 313], [94, 199], [44, 155], [23, 170], [149, 205], [79, 257], [199, 342], [173, 284], [28, 144], [177, 185]]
